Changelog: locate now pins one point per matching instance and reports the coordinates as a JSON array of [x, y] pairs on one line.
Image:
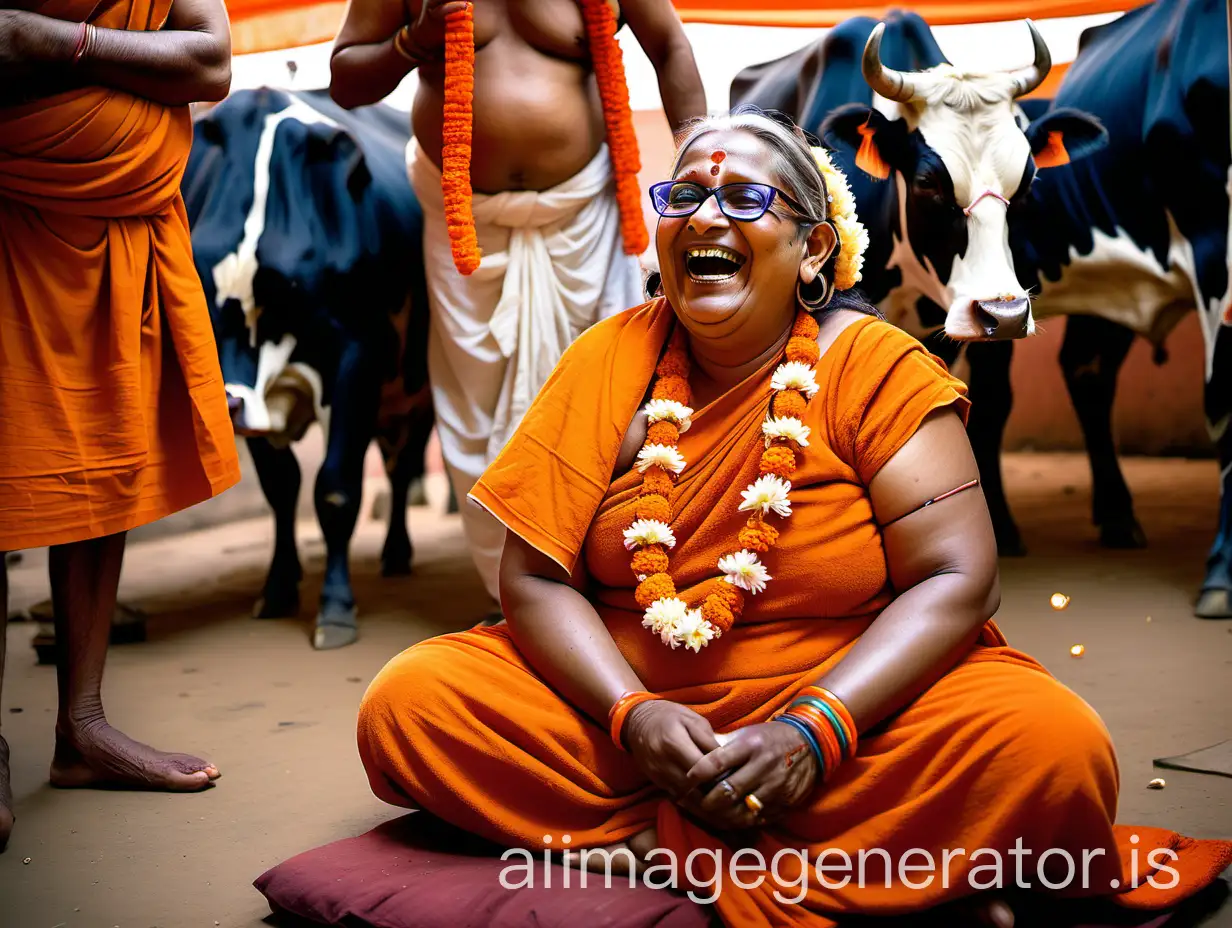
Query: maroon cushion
[[417, 872]]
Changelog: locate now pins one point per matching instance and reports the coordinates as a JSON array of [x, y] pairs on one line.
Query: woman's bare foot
[[6, 793], [97, 755]]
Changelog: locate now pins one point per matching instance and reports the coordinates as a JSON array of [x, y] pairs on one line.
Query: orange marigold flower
[[654, 506], [674, 363], [780, 460], [658, 482], [673, 388], [651, 559], [656, 586], [758, 536], [789, 403], [663, 433], [618, 117], [804, 350], [456, 136], [715, 611], [805, 326]]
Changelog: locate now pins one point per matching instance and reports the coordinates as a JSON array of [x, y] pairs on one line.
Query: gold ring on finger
[[755, 805]]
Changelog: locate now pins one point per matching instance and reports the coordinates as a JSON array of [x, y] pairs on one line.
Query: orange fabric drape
[[112, 408], [267, 25], [462, 726]]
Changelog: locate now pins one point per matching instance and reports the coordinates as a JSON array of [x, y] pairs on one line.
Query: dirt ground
[[278, 718]]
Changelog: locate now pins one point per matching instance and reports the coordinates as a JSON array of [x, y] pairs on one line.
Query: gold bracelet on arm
[[402, 44]]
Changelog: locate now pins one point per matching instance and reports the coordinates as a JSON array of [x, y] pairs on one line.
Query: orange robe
[[998, 749], [112, 408]]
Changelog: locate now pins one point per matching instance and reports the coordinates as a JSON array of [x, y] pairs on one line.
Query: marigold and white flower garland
[[841, 211], [650, 537]]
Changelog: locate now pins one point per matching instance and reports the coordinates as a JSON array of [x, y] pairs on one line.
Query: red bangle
[[620, 711], [83, 42]]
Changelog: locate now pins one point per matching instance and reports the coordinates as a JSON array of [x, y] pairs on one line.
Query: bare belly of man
[[537, 115]]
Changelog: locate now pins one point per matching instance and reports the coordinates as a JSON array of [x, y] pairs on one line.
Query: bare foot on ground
[[6, 795], [99, 756]]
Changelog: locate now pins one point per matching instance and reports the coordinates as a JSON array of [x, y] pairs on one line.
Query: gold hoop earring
[[816, 303]]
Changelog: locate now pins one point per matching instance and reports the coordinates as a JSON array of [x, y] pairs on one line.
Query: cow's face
[[961, 163]]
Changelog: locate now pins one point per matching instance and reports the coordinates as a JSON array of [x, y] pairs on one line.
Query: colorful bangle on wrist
[[620, 711], [826, 724]]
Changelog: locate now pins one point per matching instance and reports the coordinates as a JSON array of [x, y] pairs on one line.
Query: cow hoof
[[329, 637], [275, 606], [337, 627], [1122, 536], [1214, 604]]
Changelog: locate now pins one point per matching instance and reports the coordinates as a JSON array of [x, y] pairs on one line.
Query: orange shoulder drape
[[112, 408]]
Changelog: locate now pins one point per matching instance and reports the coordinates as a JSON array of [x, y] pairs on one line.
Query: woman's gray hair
[[791, 159]]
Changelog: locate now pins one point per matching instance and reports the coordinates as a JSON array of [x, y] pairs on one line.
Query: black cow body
[[939, 262], [307, 238], [1129, 240]]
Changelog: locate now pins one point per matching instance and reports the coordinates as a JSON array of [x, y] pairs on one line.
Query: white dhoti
[[553, 265]]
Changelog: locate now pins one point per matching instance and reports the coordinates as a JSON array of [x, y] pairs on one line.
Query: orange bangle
[[620, 711], [844, 716], [823, 731]]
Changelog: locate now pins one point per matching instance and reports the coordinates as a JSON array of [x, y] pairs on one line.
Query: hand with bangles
[[754, 777], [666, 740]]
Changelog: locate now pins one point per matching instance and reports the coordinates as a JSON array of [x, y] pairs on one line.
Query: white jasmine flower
[[669, 411], [795, 375], [767, 493], [693, 631], [666, 456], [745, 571], [785, 427], [645, 532], [663, 616]]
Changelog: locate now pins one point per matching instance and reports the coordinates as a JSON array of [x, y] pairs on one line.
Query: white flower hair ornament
[[841, 211]]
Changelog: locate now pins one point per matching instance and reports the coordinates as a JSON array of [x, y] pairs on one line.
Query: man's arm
[[369, 58], [658, 30], [187, 61]]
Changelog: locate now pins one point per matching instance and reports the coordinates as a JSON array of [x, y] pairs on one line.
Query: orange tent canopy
[[269, 25]]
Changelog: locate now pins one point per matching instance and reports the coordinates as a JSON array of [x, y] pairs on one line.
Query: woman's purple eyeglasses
[[745, 202]]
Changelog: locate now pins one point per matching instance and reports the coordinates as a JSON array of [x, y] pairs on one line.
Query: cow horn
[[1027, 79], [891, 84]]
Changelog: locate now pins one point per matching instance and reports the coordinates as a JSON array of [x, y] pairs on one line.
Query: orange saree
[[996, 751], [112, 409]]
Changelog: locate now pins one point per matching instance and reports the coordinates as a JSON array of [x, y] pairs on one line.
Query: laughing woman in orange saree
[[749, 582], [112, 408]]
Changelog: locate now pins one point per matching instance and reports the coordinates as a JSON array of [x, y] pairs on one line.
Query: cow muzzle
[[1003, 319]]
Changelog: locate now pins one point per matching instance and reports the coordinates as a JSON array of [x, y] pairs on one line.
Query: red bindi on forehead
[[717, 157]]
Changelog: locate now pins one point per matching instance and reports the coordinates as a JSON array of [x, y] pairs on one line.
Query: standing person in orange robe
[[112, 409], [749, 581]]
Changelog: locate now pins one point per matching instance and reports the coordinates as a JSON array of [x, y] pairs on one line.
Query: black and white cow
[[940, 167], [307, 238], [1130, 239]]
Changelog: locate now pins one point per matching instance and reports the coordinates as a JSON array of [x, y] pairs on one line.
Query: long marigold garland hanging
[[456, 138], [617, 116], [650, 537]]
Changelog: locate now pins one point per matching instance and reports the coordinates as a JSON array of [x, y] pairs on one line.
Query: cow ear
[[879, 143], [1065, 135]]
